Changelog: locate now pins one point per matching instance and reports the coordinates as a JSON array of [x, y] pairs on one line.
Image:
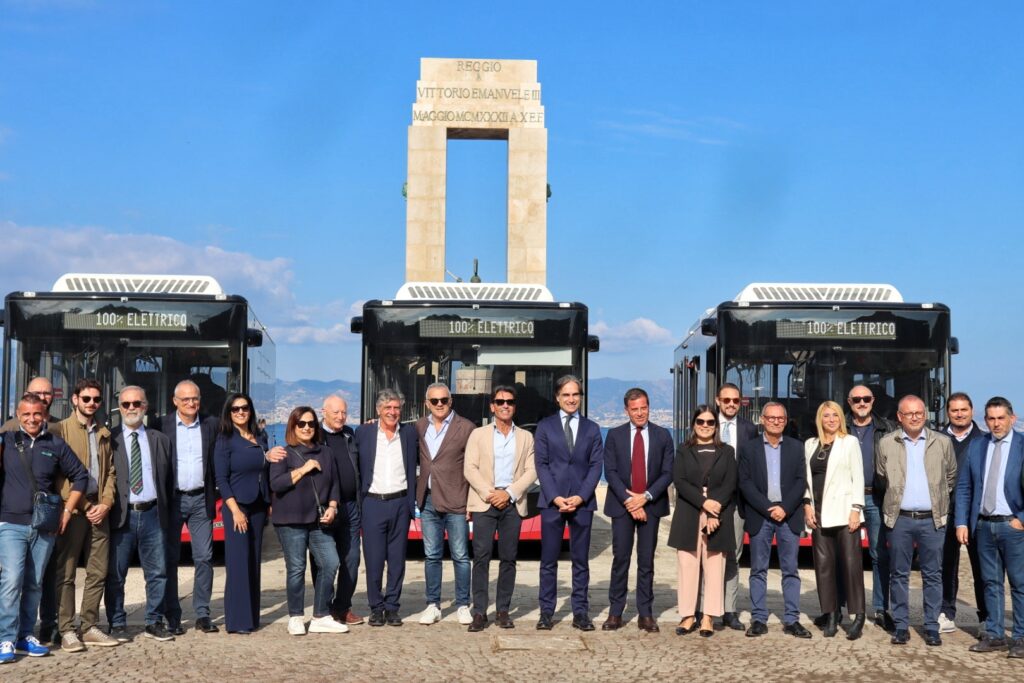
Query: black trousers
[[951, 573], [507, 523], [829, 545]]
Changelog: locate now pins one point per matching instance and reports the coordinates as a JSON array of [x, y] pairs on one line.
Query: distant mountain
[[311, 392]]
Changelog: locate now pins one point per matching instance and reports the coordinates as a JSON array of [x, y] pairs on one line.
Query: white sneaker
[[946, 625], [431, 615], [465, 616], [296, 626], [327, 624]]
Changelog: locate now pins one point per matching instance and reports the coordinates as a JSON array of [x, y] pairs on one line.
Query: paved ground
[[445, 652]]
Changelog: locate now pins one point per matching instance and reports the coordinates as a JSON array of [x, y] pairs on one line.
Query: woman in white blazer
[[833, 508]]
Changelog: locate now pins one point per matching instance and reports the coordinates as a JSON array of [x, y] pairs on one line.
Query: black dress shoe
[[856, 628], [612, 623], [796, 629], [757, 628], [392, 618], [205, 625], [503, 620], [582, 622], [647, 625], [479, 623], [831, 626], [732, 620], [900, 636], [988, 644], [883, 620], [932, 638], [1016, 649], [377, 618], [176, 629], [545, 623]]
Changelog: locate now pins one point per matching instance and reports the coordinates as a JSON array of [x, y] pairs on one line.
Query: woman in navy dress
[[241, 468]]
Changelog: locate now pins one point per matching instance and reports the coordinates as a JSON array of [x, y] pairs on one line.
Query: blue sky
[[693, 148]]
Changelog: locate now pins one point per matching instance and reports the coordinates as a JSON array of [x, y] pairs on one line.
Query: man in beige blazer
[[499, 468]]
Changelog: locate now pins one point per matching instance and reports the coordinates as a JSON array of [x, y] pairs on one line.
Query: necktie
[[568, 432], [639, 470], [135, 467], [988, 505], [727, 433]]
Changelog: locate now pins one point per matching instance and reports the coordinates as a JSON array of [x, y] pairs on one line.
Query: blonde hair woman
[[833, 510]]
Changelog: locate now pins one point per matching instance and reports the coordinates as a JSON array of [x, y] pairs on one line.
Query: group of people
[[340, 495]]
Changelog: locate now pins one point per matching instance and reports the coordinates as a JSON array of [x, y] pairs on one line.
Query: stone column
[[425, 204], [527, 205]]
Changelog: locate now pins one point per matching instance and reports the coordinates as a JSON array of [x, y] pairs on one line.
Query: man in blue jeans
[[32, 460], [990, 506], [145, 488], [441, 493]]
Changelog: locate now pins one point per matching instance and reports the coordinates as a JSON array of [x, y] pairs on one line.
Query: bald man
[[43, 388], [338, 437]]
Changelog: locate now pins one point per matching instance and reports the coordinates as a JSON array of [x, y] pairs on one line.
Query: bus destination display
[[128, 320], [434, 328], [835, 329]]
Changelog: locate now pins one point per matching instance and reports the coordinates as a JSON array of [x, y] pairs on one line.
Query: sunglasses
[[504, 401], [305, 424], [90, 399], [439, 401], [729, 400], [861, 399], [705, 423], [240, 409], [131, 404]]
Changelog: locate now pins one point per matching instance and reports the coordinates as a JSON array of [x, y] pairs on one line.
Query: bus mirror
[[2, 316], [593, 343], [709, 327], [954, 345], [799, 380], [356, 326], [253, 337]]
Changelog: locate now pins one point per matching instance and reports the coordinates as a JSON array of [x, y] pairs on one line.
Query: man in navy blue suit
[[772, 477], [638, 459], [990, 505], [568, 455], [387, 466]]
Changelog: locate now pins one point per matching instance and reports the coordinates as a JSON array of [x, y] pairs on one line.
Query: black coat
[[752, 479], [689, 483], [160, 455]]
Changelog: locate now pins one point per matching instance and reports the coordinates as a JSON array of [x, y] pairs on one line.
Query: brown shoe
[[94, 636], [503, 620], [648, 625], [612, 623], [479, 623], [350, 618]]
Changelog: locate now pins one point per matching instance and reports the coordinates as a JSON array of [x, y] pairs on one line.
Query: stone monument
[[478, 99]]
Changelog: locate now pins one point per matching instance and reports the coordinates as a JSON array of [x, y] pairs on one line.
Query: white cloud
[[629, 336], [705, 130]]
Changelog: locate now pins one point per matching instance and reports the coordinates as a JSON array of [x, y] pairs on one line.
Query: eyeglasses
[[705, 423], [187, 399], [90, 399], [240, 409], [305, 424], [440, 401], [504, 401], [773, 418], [729, 400], [917, 415], [861, 399], [125, 405], [43, 393]]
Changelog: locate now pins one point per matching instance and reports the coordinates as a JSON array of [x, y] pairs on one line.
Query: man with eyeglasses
[[638, 458], [500, 469], [733, 429], [43, 388], [916, 469], [772, 476], [88, 529], [441, 493], [569, 456], [869, 427], [141, 515], [192, 437]]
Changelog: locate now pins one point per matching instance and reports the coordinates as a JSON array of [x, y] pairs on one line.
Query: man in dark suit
[[990, 507], [772, 477], [961, 430], [638, 459], [569, 456], [441, 493], [387, 464], [733, 429], [141, 514], [192, 436]]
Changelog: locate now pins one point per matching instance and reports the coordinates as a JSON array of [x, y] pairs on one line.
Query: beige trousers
[[690, 565]]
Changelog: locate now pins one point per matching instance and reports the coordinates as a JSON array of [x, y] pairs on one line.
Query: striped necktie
[[135, 467]]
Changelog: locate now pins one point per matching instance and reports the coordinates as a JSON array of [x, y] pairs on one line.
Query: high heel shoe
[[707, 627], [856, 628], [683, 629], [831, 626]]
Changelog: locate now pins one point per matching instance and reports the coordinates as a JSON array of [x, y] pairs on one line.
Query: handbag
[[47, 508]]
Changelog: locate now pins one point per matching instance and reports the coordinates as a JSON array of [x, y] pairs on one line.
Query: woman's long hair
[[293, 421], [227, 427], [691, 440], [842, 420]]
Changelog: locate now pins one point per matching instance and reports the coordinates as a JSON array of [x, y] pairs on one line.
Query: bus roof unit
[[113, 283], [473, 291], [767, 292]]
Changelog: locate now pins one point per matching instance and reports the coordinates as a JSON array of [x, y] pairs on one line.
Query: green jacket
[[73, 432], [891, 471]]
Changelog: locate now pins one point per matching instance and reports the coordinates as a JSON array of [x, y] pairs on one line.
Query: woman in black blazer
[[241, 470], [704, 475]]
